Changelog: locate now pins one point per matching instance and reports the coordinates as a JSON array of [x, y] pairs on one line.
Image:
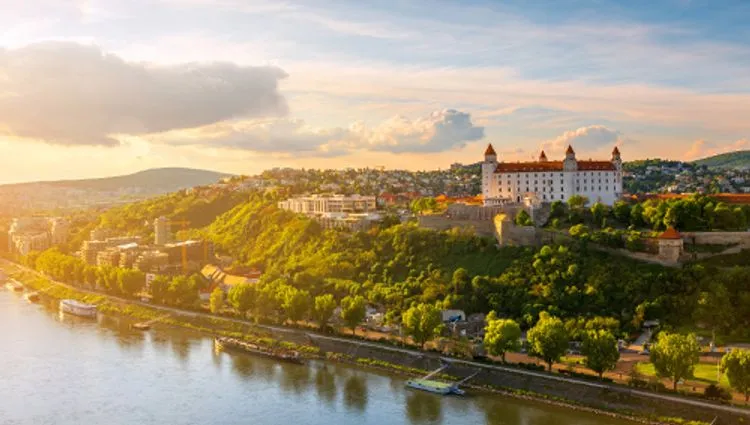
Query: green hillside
[[738, 159]]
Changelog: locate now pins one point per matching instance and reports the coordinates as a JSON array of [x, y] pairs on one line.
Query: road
[[468, 363]]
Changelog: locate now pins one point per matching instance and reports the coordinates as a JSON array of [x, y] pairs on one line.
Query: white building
[[547, 181], [322, 204]]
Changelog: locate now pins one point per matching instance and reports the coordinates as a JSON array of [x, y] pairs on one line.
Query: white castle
[[546, 181]]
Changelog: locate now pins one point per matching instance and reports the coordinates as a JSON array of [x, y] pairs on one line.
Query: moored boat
[[436, 387], [278, 354], [14, 286], [77, 308], [32, 297]]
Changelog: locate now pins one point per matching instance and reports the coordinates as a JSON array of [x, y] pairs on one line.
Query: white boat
[[77, 308], [14, 286], [436, 387]]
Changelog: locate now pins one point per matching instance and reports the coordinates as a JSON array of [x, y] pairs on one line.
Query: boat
[[277, 354], [436, 387], [78, 308], [141, 326], [32, 297], [14, 286]]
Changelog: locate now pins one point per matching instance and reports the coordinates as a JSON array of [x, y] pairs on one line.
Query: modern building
[[28, 234], [161, 231], [547, 181], [321, 204]]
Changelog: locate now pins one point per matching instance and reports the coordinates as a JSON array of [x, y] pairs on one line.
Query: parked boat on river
[[32, 297], [77, 308], [278, 354], [14, 286], [436, 387]]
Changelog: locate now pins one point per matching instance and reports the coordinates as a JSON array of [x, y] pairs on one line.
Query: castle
[[545, 181]]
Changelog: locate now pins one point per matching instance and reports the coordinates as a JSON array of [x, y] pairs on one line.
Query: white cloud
[[703, 148], [584, 140], [440, 131], [69, 94]]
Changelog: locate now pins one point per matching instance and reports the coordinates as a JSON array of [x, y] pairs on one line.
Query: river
[[64, 370]]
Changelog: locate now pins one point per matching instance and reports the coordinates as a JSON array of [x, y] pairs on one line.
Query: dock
[[144, 326], [444, 388]]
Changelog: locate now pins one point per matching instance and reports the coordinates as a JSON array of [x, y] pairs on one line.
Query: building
[[161, 231], [321, 204], [671, 245], [547, 181], [28, 234]]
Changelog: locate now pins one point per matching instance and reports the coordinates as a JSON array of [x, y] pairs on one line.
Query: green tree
[[131, 281], [621, 211], [160, 289], [422, 322], [736, 365], [599, 212], [523, 219], [601, 352], [353, 310], [183, 291], [242, 297], [548, 340], [323, 309], [674, 356], [577, 202], [89, 275], [501, 336], [216, 301], [296, 304]]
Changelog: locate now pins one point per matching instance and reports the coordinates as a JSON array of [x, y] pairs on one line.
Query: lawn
[[704, 372]]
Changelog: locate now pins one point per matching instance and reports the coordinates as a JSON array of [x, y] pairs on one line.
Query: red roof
[[490, 150], [670, 233], [520, 167], [569, 150]]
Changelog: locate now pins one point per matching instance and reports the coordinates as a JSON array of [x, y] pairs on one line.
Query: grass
[[704, 372]]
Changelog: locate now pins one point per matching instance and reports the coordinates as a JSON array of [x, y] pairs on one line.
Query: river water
[[64, 370]]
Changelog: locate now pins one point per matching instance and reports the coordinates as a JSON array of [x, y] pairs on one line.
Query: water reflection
[[325, 384], [355, 392], [422, 407], [295, 378]]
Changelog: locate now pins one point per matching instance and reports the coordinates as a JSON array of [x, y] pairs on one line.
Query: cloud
[[69, 94], [440, 131], [584, 140], [703, 148]]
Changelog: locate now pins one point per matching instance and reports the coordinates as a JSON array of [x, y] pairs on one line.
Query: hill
[[156, 180], [738, 159]]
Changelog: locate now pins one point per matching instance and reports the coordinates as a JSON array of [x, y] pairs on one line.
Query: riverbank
[[293, 339]]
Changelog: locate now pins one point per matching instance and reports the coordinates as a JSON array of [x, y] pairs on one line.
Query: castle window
[[561, 196]]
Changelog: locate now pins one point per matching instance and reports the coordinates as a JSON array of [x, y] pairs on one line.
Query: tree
[[296, 304], [501, 336], [422, 322], [160, 289], [242, 297], [548, 340], [323, 309], [621, 211], [600, 349], [216, 301], [523, 219], [674, 356], [599, 211], [736, 365], [576, 202], [353, 310], [130, 281]]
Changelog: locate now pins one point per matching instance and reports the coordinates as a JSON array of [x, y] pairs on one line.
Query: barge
[[14, 286], [247, 347], [78, 308], [437, 387], [32, 297]]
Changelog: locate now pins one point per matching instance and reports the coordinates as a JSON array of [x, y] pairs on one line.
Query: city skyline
[[103, 87]]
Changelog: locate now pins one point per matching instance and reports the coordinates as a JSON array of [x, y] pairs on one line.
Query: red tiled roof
[[670, 233], [520, 167], [595, 165], [490, 150]]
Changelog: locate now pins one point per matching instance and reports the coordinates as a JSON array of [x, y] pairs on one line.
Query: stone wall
[[716, 238], [440, 222]]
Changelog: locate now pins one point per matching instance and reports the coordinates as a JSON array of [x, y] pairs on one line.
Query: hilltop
[[738, 159]]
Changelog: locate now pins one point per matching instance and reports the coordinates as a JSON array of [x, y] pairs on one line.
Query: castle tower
[[570, 163], [542, 157], [489, 184], [616, 159], [161, 231]]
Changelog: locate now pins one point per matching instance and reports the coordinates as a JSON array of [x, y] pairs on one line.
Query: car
[[644, 352]]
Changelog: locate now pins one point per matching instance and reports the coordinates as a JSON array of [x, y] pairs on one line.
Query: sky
[[102, 87]]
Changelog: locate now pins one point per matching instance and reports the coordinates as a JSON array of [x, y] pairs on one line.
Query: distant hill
[[738, 159], [156, 180]]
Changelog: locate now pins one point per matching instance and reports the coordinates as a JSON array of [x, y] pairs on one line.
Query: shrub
[[714, 392]]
